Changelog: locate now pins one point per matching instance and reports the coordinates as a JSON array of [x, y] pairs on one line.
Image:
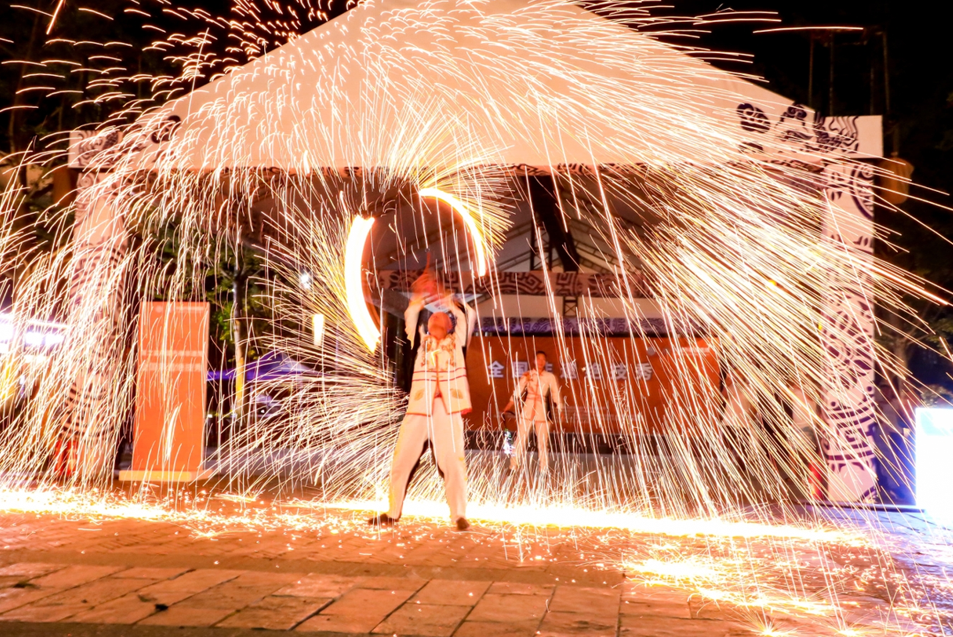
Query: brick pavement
[[129, 577], [138, 578]]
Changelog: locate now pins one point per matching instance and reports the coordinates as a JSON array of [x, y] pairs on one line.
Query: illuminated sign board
[[935, 461]]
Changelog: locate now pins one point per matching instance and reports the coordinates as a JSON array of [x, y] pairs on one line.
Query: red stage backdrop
[[604, 381], [170, 396]]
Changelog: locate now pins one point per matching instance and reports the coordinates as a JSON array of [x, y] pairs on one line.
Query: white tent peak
[[399, 83]]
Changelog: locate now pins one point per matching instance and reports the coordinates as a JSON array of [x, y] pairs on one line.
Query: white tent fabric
[[450, 84], [508, 82]]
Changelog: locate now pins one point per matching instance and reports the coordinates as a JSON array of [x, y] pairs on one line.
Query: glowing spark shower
[[353, 274], [458, 206], [717, 351]]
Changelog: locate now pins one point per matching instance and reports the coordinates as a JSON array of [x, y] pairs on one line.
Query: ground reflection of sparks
[[760, 574]]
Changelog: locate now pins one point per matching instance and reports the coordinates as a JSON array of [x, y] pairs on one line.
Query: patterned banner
[[847, 338], [590, 327], [527, 283]]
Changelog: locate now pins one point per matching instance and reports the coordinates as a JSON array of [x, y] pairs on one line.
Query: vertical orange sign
[[169, 442]]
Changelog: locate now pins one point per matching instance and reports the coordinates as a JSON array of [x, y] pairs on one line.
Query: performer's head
[[541, 361], [439, 325]]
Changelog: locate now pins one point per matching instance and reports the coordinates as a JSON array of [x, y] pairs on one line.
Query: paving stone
[[393, 583], [424, 619], [593, 601], [558, 624], [258, 578], [427, 550], [151, 573], [29, 570], [649, 608], [496, 629], [74, 576], [175, 590], [37, 613], [647, 626], [338, 624], [516, 588], [636, 592], [275, 613], [701, 607], [231, 594], [313, 585], [451, 592], [181, 615], [93, 593], [368, 603], [11, 598], [127, 609], [509, 608]]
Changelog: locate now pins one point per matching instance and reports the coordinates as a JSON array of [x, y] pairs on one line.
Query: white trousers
[[445, 433], [523, 427]]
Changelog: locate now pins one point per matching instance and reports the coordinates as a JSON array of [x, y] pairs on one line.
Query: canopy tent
[[444, 85], [494, 75]]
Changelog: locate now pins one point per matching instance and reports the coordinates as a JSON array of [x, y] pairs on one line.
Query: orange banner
[[170, 397], [609, 385]]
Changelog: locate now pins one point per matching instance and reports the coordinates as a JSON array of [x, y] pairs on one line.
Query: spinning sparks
[[697, 248], [354, 280], [464, 213]]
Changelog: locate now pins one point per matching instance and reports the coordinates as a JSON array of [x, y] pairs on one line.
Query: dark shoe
[[382, 519], [462, 524]]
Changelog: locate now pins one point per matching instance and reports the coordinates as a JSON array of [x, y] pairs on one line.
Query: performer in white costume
[[439, 397], [738, 420], [538, 385]]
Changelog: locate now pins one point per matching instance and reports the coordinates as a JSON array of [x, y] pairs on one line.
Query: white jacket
[[440, 364], [537, 385], [739, 408]]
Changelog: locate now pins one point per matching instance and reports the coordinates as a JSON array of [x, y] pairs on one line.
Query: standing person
[[738, 419], [804, 446], [539, 387], [439, 397]]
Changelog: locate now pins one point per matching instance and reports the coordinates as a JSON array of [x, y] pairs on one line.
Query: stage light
[[33, 339], [317, 325], [353, 272], [934, 449]]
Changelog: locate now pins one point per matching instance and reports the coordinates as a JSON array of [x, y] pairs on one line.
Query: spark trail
[[253, 144]]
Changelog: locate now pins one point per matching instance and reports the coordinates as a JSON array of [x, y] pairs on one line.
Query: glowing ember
[[296, 144]]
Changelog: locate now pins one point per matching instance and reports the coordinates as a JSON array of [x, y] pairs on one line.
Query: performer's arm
[[471, 321], [411, 314], [466, 321], [520, 388], [556, 396]]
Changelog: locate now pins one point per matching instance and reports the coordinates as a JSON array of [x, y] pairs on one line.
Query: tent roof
[[510, 82]]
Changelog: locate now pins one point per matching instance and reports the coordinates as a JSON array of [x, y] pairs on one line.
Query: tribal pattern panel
[[87, 148], [574, 327], [526, 283], [847, 338], [801, 131]]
